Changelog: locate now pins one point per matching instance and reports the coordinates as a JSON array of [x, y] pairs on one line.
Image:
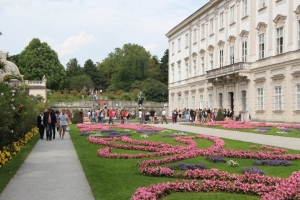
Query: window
[[221, 57], [202, 64], [262, 4], [280, 40], [245, 8], [244, 51], [201, 102], [260, 98], [172, 47], [195, 35], [298, 96], [195, 71], [231, 14], [299, 34], [277, 96], [231, 54], [179, 103], [186, 40], [193, 102], [179, 44], [202, 31], [261, 46], [210, 101], [187, 69], [211, 25], [186, 102], [222, 20], [211, 61], [244, 100], [220, 100]]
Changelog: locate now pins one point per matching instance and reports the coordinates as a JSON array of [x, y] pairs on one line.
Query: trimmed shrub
[[220, 116], [77, 118]]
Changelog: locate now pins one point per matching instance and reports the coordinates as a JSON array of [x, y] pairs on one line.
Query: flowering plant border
[[212, 180]]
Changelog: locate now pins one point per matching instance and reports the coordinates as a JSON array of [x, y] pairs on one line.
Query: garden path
[[278, 141], [51, 171]]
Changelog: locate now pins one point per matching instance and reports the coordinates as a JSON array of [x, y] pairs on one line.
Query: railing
[[36, 83], [229, 69]]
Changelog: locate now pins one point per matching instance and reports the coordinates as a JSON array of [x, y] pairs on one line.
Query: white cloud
[[74, 43], [152, 47]]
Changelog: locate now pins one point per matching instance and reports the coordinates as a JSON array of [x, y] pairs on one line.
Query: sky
[[91, 29]]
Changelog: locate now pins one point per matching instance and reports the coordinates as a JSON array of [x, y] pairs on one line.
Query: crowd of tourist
[[202, 115]]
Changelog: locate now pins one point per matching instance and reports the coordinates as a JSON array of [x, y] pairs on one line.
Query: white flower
[[144, 136], [12, 99], [12, 131], [2, 93]]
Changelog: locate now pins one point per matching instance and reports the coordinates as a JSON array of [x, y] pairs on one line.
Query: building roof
[[191, 17]]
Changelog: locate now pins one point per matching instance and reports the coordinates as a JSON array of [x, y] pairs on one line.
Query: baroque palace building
[[242, 55]]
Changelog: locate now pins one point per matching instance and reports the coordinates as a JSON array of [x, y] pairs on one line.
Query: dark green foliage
[[155, 90], [37, 60], [80, 82], [73, 68], [164, 66], [126, 67], [93, 72], [19, 115], [220, 116], [77, 118]]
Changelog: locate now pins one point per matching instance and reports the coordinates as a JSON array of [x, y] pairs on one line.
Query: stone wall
[[114, 104]]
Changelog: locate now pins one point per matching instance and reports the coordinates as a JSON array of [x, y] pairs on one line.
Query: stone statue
[[140, 99]]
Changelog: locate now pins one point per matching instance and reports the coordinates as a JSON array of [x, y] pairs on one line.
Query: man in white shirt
[[163, 117], [63, 123]]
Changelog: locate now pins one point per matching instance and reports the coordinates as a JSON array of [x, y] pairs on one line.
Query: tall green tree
[[124, 66], [164, 66], [37, 60], [96, 76], [73, 68], [80, 82]]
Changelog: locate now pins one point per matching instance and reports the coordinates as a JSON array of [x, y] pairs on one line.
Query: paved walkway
[[278, 141], [51, 171]]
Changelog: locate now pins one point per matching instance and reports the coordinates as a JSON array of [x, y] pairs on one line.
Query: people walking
[[63, 123], [141, 116], [49, 121], [163, 117], [41, 125], [111, 115]]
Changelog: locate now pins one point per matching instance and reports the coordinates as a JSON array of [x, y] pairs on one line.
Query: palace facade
[[242, 55]]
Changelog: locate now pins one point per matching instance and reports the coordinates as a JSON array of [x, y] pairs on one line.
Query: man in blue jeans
[[49, 121]]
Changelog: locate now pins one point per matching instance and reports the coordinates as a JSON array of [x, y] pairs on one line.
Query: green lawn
[[119, 178], [8, 171]]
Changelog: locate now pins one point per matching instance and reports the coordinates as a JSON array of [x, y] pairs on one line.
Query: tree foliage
[[37, 60], [93, 72], [80, 82], [73, 68], [124, 66], [155, 90]]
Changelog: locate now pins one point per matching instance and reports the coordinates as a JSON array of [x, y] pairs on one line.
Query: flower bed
[[253, 181], [272, 162], [11, 150]]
